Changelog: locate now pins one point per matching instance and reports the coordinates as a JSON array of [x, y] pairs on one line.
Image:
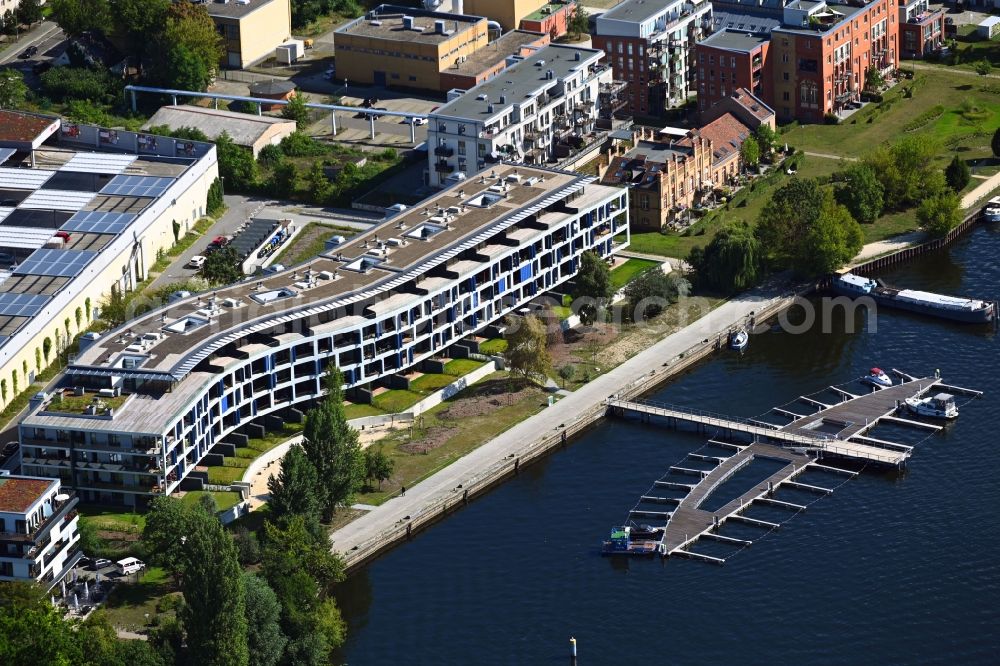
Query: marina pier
[[837, 429]]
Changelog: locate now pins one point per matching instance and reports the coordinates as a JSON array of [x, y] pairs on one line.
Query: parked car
[[32, 50], [221, 241], [100, 563], [330, 72], [9, 449], [196, 262], [129, 565], [415, 121]]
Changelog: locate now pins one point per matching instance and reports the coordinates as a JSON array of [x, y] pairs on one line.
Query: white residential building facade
[[38, 530]]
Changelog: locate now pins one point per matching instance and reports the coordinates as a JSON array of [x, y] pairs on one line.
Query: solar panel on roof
[[55, 263], [68, 200], [99, 163], [99, 222], [137, 186], [24, 179], [21, 305]]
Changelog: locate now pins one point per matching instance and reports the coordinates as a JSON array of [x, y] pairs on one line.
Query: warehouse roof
[[244, 128]]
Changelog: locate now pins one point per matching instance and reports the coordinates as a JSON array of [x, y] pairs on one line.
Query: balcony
[[60, 509], [443, 167], [444, 151]]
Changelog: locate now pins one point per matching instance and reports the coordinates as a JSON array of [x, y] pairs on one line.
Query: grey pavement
[[428, 494]]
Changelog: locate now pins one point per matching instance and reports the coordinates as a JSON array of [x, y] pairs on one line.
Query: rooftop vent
[[408, 23], [538, 63], [576, 56], [439, 27]]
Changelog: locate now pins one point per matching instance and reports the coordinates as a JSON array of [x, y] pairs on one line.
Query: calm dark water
[[891, 568]]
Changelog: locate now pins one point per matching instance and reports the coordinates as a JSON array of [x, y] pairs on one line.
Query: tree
[[114, 310], [566, 373], [526, 354], [46, 348], [283, 180], [168, 526], [994, 143], [861, 193], [320, 187], [185, 70], [750, 153], [652, 291], [906, 170], [940, 214], [78, 316], [333, 448], [983, 67], [873, 79], [13, 91], [766, 138], [214, 611], [236, 164], [296, 110], [215, 204], [579, 23], [265, 640], [731, 261], [378, 465], [137, 23], [78, 16], [222, 267], [31, 631], [29, 12], [833, 239], [593, 282], [803, 227], [189, 26], [957, 174], [294, 490]]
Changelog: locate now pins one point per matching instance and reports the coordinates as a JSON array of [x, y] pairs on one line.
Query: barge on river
[[966, 310]]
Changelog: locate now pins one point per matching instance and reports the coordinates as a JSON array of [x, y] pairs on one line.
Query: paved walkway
[[981, 191], [523, 436], [828, 156]]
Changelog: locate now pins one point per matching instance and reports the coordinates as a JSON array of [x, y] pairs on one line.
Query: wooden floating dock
[[838, 431]]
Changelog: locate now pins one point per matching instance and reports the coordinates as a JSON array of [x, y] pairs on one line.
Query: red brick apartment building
[[921, 30], [813, 63]]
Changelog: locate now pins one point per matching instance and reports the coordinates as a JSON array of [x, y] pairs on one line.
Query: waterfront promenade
[[371, 532]]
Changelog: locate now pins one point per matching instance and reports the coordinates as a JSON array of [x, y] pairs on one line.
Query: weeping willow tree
[[731, 262]]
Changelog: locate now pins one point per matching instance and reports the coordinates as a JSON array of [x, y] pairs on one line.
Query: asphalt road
[[46, 36]]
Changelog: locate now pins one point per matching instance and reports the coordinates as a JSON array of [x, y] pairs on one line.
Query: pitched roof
[[752, 104], [244, 128], [19, 493], [726, 134]]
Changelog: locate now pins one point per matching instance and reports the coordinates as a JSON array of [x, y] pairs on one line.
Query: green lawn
[[309, 243], [461, 366], [77, 404], [464, 435], [223, 499], [625, 273], [493, 346], [112, 519], [430, 383], [394, 401], [129, 603], [223, 475], [358, 410]]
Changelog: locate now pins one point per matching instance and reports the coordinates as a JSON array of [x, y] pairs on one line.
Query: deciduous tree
[[652, 291], [906, 170], [296, 110], [731, 261], [861, 193], [265, 640], [378, 465], [526, 354], [940, 214], [222, 267], [750, 153], [593, 282], [995, 143], [13, 91], [236, 164], [78, 16], [766, 138]]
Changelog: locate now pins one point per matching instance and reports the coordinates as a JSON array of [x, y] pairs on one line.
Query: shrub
[[831, 119]]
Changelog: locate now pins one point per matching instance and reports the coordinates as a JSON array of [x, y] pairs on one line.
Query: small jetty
[[837, 431]]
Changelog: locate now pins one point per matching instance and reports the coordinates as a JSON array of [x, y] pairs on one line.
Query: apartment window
[[621, 62], [630, 49], [621, 48], [701, 58], [732, 62], [412, 78], [642, 50], [784, 98], [711, 59], [784, 75], [461, 147], [784, 57]]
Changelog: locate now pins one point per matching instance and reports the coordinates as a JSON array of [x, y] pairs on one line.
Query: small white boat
[[738, 340], [876, 377], [991, 213], [940, 406]]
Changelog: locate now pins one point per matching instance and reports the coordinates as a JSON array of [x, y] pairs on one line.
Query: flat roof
[[637, 11], [731, 40], [497, 51], [19, 129], [846, 12], [244, 128], [386, 22], [331, 280], [520, 81], [18, 493], [234, 9]]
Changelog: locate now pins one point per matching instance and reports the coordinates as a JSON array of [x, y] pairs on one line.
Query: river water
[[890, 568]]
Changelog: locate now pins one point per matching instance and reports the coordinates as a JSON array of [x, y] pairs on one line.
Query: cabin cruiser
[[940, 406], [991, 213], [877, 377]]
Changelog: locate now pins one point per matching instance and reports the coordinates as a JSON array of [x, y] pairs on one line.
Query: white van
[[129, 565]]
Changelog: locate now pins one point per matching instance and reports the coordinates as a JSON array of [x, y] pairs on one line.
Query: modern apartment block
[[550, 17], [537, 108], [921, 29], [731, 59], [650, 45], [38, 535], [822, 52], [196, 375], [251, 29], [83, 210], [670, 172]]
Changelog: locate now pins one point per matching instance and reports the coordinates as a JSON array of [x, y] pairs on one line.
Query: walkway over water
[[838, 429]]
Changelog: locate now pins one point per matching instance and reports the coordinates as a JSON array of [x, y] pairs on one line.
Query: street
[[46, 36]]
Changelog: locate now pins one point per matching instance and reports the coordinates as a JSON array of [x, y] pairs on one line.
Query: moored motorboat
[[991, 213], [738, 340], [940, 406], [967, 310], [877, 377], [641, 532], [622, 543]]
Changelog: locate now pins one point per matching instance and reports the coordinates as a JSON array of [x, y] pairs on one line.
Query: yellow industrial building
[[252, 29], [507, 13]]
